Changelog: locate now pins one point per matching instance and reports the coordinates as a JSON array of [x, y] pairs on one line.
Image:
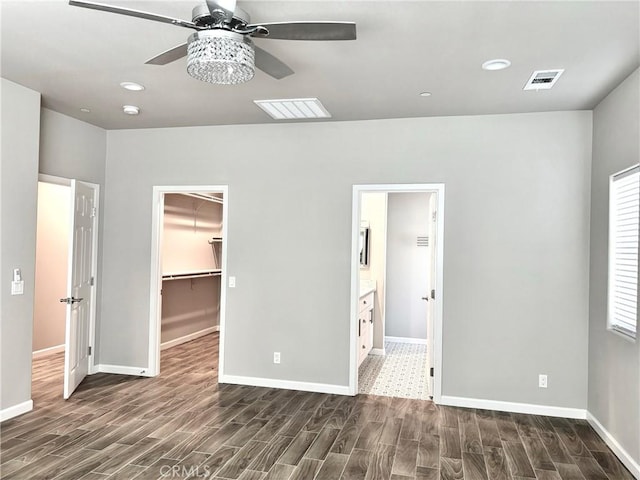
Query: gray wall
[[19, 182], [408, 266], [614, 362], [516, 259], [70, 148]]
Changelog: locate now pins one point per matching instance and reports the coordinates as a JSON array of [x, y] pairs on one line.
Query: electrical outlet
[[276, 357], [542, 381]]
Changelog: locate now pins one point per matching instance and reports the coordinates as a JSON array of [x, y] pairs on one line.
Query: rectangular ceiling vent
[[293, 108], [543, 79]]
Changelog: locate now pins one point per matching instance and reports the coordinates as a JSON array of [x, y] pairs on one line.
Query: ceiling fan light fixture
[[221, 57]]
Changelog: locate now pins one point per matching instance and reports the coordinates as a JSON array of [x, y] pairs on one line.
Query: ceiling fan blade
[[169, 56], [222, 10], [271, 65], [133, 13], [307, 30]]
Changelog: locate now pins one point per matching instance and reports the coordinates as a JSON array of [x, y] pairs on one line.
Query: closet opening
[[188, 277], [396, 290]]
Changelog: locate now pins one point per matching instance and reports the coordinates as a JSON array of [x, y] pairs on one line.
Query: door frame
[[53, 179], [155, 298], [358, 190]]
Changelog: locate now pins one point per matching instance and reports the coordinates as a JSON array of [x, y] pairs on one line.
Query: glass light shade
[[221, 57]]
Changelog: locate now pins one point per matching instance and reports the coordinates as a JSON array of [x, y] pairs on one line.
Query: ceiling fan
[[221, 49]]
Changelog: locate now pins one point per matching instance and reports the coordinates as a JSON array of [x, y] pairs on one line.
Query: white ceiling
[[77, 58]]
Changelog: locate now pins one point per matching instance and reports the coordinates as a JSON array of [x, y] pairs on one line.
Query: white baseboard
[[123, 370], [19, 409], [48, 351], [418, 341], [285, 384], [377, 351], [515, 407], [188, 338], [612, 443]]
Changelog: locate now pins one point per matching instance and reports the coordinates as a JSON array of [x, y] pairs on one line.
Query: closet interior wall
[[52, 252], [191, 243]]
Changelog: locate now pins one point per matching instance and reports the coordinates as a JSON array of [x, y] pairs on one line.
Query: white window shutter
[[624, 214]]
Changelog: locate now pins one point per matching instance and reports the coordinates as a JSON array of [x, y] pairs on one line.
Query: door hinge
[[93, 212], [92, 281], [89, 350], [431, 372]]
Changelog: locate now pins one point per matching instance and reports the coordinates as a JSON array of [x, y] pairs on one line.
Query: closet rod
[[200, 196], [178, 276]]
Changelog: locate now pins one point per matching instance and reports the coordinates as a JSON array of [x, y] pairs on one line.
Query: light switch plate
[[17, 288], [232, 282]]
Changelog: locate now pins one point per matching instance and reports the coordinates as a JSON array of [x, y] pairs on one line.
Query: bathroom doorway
[[396, 294]]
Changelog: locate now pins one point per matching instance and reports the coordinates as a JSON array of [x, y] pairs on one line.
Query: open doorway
[[397, 290], [65, 285], [188, 274]]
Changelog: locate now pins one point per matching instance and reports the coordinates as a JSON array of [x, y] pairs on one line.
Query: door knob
[[425, 298], [70, 300]]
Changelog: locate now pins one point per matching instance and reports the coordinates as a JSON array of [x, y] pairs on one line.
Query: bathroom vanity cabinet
[[365, 325]]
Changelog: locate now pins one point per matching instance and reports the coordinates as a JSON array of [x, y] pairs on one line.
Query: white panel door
[[80, 296]]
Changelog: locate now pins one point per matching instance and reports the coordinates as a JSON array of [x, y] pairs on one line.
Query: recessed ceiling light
[[293, 108], [133, 86], [425, 94], [496, 64], [85, 110], [130, 109]]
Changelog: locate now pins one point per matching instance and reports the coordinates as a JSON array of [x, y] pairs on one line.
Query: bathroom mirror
[[364, 245]]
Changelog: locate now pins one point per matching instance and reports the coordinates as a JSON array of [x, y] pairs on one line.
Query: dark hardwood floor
[[182, 424]]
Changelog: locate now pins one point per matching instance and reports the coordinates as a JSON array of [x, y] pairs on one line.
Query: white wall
[[52, 253], [188, 226], [515, 266], [614, 362], [373, 209], [408, 266], [19, 181]]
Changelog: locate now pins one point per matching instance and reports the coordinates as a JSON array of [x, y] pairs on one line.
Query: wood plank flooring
[[182, 424]]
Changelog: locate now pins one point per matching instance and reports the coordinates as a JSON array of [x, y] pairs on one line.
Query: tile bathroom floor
[[401, 372]]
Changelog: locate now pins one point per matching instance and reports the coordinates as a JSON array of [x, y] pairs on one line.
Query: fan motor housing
[[201, 16]]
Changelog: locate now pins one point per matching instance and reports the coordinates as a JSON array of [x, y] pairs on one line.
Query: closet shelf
[[198, 274], [215, 240]]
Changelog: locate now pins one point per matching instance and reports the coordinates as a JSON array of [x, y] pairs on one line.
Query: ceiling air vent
[[293, 108], [543, 79]]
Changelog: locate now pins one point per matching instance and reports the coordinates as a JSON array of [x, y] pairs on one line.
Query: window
[[624, 200]]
